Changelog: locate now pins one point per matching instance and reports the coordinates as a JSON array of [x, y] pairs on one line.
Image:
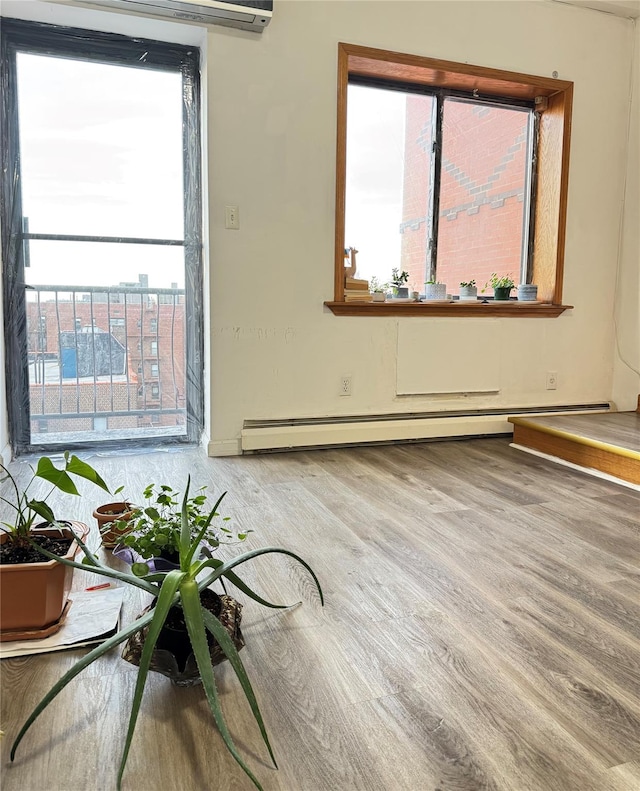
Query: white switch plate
[[232, 218]]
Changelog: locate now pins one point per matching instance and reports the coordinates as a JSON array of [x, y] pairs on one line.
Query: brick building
[[481, 194], [121, 353]]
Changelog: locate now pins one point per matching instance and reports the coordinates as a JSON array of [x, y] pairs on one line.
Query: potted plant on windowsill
[[527, 292], [378, 290], [181, 587], [435, 291], [468, 290], [34, 591], [501, 286], [399, 282]]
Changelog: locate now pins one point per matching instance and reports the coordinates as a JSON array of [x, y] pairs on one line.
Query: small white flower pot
[[527, 292], [468, 292], [435, 291], [378, 296]]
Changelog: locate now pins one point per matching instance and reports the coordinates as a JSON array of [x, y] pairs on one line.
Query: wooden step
[[608, 443]]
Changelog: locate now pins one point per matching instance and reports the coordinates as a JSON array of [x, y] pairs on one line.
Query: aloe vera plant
[[177, 587]]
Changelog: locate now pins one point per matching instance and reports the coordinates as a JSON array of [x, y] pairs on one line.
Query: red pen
[[99, 587]]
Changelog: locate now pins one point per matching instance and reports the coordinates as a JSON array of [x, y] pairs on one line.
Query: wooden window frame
[[554, 100]]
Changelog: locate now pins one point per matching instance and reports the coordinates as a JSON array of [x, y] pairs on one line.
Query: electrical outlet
[[552, 380], [345, 386], [232, 218]]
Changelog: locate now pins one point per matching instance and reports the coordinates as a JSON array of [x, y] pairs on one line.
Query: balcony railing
[[106, 360]]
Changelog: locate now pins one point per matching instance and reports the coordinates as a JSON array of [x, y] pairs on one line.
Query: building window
[[450, 172], [154, 348], [155, 370], [155, 391], [153, 326], [116, 322]]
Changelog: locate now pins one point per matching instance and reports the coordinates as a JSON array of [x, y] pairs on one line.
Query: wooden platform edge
[[586, 453], [578, 438]]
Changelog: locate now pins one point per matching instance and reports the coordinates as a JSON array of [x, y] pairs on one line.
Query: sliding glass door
[[101, 238]]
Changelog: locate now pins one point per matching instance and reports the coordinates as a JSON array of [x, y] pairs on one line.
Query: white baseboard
[[375, 431], [224, 447]]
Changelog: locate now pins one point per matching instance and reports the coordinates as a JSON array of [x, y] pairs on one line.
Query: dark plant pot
[[402, 292], [33, 595], [172, 655], [501, 294], [108, 513]]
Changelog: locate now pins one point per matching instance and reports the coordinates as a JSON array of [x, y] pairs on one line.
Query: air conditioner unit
[[252, 15]]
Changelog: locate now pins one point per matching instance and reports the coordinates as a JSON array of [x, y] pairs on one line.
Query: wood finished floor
[[481, 632]]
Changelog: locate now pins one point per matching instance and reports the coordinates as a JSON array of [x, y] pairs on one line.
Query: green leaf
[[229, 564], [58, 478], [242, 586], [152, 513], [83, 470], [140, 569], [195, 626], [42, 509], [98, 568], [231, 652], [86, 660], [159, 616]]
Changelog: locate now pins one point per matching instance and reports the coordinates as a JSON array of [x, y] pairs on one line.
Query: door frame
[[90, 45]]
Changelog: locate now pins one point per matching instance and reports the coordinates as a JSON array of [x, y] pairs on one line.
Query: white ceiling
[[625, 8]]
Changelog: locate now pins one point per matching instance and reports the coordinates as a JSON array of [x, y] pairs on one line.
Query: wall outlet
[[552, 380], [345, 386]]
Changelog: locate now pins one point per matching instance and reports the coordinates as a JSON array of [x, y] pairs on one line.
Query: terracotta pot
[[33, 595], [107, 513]]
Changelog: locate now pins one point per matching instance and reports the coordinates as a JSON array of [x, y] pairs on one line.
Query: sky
[[375, 173], [101, 155]]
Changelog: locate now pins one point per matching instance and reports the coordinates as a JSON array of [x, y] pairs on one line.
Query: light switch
[[232, 219]]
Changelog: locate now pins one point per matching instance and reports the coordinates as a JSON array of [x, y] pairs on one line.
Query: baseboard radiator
[[347, 430]]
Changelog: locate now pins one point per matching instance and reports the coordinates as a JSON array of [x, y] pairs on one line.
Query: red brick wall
[[481, 195]]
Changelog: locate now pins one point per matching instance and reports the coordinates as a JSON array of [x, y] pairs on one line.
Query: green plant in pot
[[182, 588], [154, 529], [501, 286], [33, 591], [399, 282]]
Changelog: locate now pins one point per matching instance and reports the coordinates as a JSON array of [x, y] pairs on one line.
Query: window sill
[[510, 309]]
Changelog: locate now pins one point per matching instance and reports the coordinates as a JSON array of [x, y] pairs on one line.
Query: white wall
[[276, 352], [626, 383]]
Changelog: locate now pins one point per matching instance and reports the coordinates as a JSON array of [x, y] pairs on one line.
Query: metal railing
[[106, 359]]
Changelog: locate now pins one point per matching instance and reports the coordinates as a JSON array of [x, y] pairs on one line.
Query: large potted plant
[[181, 587], [34, 590]]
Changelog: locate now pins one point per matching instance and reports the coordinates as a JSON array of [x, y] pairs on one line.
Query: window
[[153, 326], [154, 348], [155, 370], [155, 391], [116, 322], [449, 172]]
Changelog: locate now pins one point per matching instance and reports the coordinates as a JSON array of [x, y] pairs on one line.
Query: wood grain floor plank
[[481, 632]]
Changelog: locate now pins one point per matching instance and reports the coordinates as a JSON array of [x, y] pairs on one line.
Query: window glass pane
[[104, 264], [384, 154], [101, 148], [483, 193]]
